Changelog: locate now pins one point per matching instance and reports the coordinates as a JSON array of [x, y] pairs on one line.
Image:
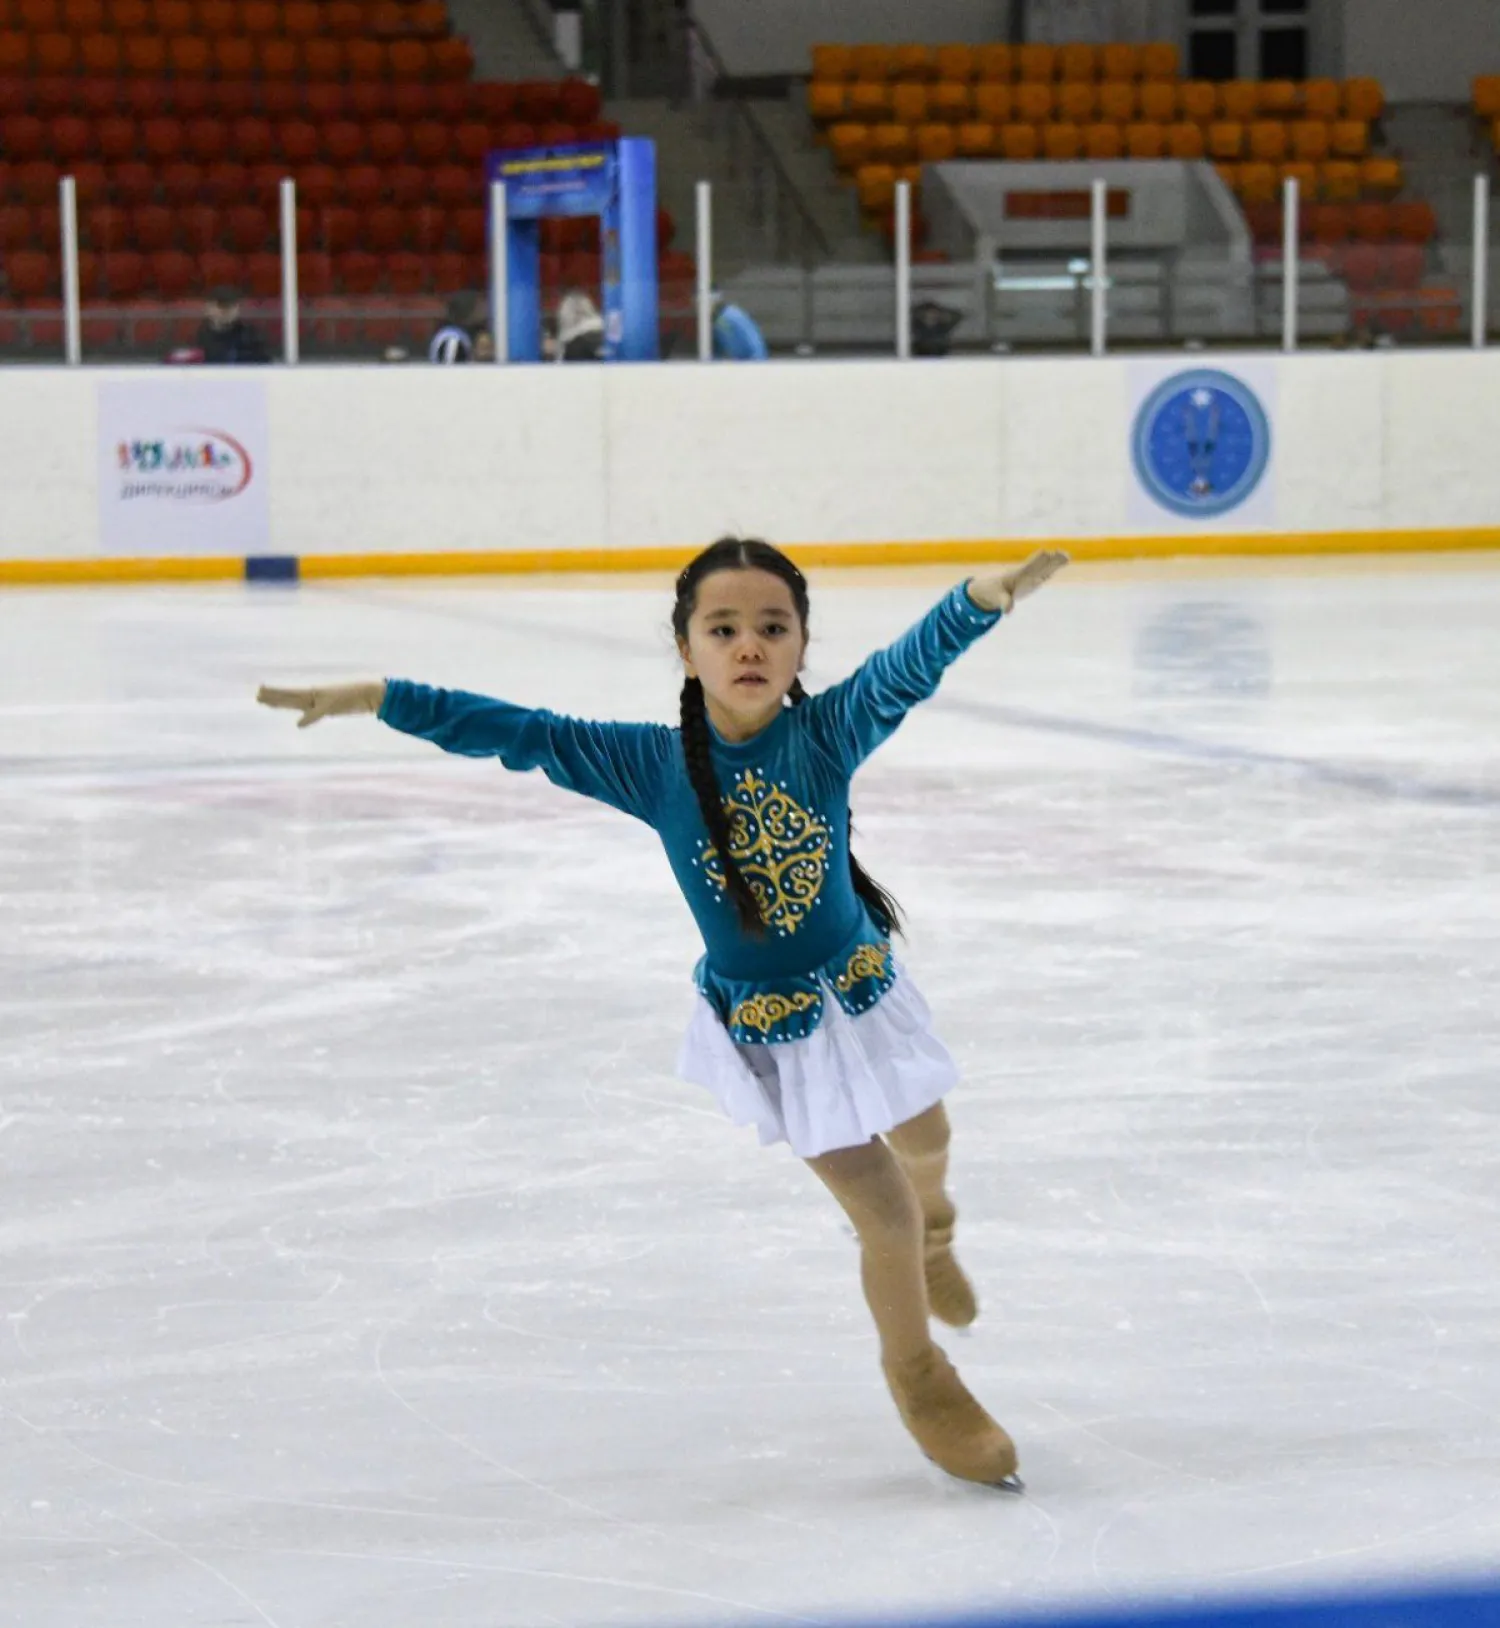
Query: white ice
[[364, 1264]]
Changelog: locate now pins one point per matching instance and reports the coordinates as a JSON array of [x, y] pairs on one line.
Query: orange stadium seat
[[1268, 141], [1349, 138], [994, 103], [1078, 62], [188, 57], [1062, 141], [873, 62], [868, 101], [1118, 101], [1036, 63], [1145, 140], [216, 17], [366, 59], [1381, 177], [1487, 96], [913, 62], [825, 101], [1238, 100], [1226, 140], [55, 54], [1077, 101], [1258, 183], [1199, 100], [1363, 99], [950, 101], [1338, 181], [1035, 103], [996, 63], [1160, 102], [38, 16], [1159, 61], [937, 143], [1019, 142], [976, 138], [99, 55], [1279, 99], [234, 57], [1120, 63], [1185, 141], [411, 60], [279, 59], [833, 63], [959, 64], [83, 16], [876, 184], [1310, 140], [891, 144], [1103, 141], [909, 103]]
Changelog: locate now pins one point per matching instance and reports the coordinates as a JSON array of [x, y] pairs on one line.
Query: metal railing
[[1111, 297]]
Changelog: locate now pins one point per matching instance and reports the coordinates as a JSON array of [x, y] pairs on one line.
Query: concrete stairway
[[1436, 145], [830, 199], [508, 43]]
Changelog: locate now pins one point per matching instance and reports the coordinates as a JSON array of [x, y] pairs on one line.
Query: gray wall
[[1422, 50], [777, 36]]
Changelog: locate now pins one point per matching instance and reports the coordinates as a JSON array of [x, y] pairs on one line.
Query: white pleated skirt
[[851, 1079]]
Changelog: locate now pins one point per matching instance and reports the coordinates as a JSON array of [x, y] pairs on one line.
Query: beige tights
[[921, 1145], [872, 1187]]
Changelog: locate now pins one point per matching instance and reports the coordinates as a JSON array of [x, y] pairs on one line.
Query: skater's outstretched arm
[[617, 764], [855, 716]]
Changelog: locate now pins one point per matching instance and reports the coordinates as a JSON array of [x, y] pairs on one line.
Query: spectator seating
[[179, 118], [885, 110]]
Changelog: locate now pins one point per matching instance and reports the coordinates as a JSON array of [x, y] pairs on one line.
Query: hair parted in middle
[[749, 554]]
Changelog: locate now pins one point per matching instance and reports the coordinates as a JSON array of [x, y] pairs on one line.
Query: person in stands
[[737, 338], [225, 336], [580, 328], [454, 341]]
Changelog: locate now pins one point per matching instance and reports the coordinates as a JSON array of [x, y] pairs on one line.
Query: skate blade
[[1009, 1483]]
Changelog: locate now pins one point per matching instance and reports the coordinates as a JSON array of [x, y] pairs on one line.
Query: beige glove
[[326, 701], [1000, 590]]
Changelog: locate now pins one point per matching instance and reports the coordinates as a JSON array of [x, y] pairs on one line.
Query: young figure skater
[[805, 1025]]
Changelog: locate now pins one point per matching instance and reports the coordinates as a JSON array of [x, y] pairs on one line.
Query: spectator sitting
[[580, 328], [224, 336], [736, 336], [454, 341]]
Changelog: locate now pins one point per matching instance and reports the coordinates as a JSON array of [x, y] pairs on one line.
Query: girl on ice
[[806, 1026]]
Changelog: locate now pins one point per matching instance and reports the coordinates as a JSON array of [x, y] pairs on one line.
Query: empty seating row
[[125, 275], [252, 139], [838, 63], [855, 144], [248, 227], [1197, 100], [1413, 221], [191, 56], [536, 102], [1335, 182], [307, 19]]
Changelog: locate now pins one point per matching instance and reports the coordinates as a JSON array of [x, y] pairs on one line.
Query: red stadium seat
[[183, 182], [122, 273], [206, 140], [426, 227], [152, 227], [454, 186], [262, 273], [364, 185], [317, 185], [174, 273], [357, 272], [247, 227], [217, 267], [384, 229], [407, 185], [314, 275], [405, 272], [133, 181], [431, 143]]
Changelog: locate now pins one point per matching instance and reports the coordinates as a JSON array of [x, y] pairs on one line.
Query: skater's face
[[745, 643]]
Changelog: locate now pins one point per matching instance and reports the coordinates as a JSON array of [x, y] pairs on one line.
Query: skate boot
[[950, 1295], [947, 1423]]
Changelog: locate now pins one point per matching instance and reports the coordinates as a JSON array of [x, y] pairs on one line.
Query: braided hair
[[749, 554]]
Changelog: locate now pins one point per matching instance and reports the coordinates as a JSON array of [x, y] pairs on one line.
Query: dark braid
[[749, 554], [695, 748]]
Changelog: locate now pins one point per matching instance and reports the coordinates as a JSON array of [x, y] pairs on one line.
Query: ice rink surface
[[365, 1266]]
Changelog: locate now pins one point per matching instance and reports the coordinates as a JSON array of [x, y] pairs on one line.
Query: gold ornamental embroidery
[[868, 961], [781, 850], [764, 1012]]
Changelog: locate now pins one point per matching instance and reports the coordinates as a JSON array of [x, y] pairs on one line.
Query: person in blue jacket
[[737, 336], [805, 1025]]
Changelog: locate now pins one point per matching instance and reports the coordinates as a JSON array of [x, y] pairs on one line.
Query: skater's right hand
[[324, 702]]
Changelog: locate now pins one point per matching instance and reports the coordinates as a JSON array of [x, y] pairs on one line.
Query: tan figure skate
[[948, 1424]]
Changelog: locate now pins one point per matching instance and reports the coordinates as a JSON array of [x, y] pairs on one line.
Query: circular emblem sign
[[1201, 443]]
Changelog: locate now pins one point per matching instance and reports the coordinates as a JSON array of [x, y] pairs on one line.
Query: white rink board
[[412, 460]]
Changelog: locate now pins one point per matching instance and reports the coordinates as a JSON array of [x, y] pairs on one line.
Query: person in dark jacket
[[225, 336]]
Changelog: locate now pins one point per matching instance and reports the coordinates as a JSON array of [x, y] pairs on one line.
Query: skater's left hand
[[1000, 590]]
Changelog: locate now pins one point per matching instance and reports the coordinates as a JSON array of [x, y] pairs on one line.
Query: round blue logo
[[1201, 443]]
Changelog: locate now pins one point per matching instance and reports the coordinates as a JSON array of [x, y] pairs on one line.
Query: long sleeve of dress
[[617, 764], [852, 718]]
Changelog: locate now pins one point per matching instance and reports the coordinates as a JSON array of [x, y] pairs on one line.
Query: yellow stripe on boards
[[810, 555], [82, 573]]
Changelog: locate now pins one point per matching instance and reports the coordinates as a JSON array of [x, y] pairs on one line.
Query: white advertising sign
[[1202, 445], [182, 466]]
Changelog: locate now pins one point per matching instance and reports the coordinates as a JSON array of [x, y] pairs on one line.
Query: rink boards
[[320, 471]]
